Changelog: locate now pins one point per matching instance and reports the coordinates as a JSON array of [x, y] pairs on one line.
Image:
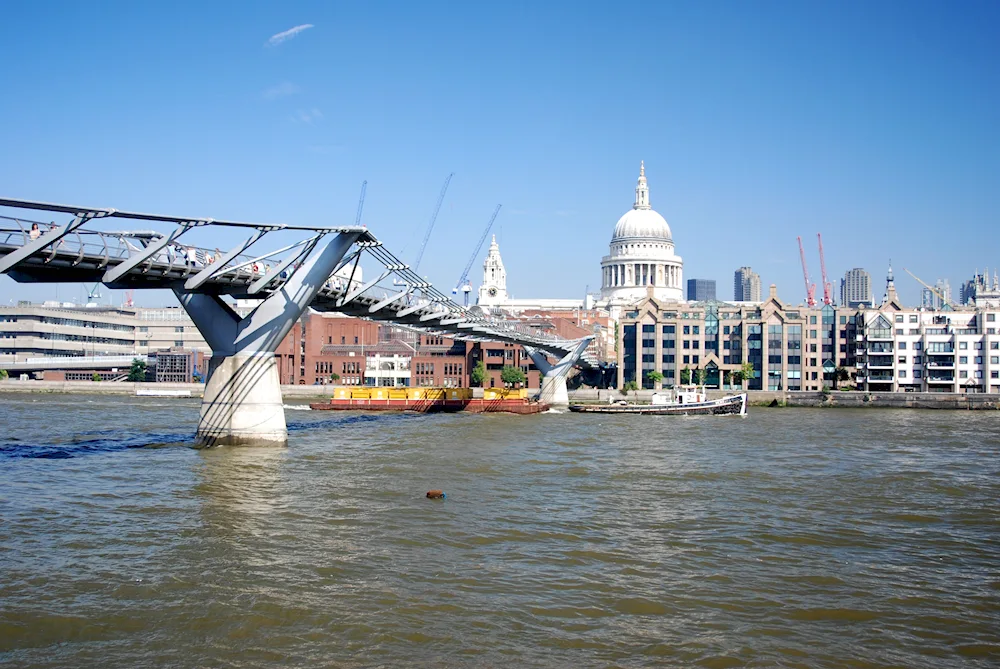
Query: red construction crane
[[810, 287], [827, 287]]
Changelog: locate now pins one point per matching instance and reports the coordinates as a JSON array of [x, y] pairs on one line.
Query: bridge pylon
[[554, 390], [242, 402]]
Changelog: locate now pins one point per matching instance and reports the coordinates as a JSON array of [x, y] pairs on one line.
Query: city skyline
[[756, 126]]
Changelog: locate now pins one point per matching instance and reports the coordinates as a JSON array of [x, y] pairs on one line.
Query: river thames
[[792, 537]]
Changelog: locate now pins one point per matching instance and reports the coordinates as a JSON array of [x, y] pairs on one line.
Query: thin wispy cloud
[[282, 90], [307, 115], [275, 40]]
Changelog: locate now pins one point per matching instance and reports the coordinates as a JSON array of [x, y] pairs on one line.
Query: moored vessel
[[431, 400], [683, 401]]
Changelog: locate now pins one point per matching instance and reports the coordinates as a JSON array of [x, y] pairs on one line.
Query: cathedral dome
[[641, 223], [641, 259]]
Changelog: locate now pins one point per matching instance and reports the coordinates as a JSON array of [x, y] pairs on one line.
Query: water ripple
[[812, 538]]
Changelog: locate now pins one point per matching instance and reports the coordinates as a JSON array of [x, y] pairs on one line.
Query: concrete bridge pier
[[553, 390], [242, 402]]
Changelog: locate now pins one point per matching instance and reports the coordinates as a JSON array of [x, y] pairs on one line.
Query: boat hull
[[734, 405]]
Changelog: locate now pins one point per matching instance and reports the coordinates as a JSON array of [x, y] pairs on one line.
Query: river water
[[791, 537]]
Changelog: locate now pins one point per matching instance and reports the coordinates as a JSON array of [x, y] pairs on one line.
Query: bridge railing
[[385, 288]]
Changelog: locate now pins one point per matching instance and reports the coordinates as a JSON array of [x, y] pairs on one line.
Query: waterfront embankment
[[759, 398]]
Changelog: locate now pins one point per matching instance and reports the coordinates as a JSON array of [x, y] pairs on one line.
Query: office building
[[788, 347], [700, 290], [746, 286], [856, 288]]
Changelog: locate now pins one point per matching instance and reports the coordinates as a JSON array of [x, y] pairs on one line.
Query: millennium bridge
[[302, 266]]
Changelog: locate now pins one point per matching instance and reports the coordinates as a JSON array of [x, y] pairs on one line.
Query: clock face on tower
[[492, 291]]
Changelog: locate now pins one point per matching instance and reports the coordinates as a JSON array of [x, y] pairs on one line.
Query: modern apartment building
[[700, 290], [789, 347], [955, 351], [856, 288], [746, 285]]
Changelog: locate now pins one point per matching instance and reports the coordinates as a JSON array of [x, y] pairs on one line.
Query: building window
[[913, 318], [991, 318], [355, 340], [917, 373], [978, 346], [812, 321], [899, 318], [917, 345], [902, 373], [979, 360], [687, 344], [687, 359], [179, 328], [694, 359], [995, 359], [178, 343], [963, 360], [687, 330], [963, 374], [963, 346]]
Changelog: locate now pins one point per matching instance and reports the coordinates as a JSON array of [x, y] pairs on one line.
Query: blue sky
[[873, 123]]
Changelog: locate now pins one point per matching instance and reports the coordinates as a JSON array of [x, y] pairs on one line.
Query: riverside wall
[[834, 398], [764, 398]]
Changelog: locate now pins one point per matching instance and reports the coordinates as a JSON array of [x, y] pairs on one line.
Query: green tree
[[686, 375], [335, 377], [729, 377], [478, 376], [702, 374], [4, 375], [747, 371], [96, 377], [656, 377], [511, 376], [629, 385], [137, 372], [840, 374]]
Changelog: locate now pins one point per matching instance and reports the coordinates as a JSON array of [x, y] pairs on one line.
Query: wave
[[77, 446]]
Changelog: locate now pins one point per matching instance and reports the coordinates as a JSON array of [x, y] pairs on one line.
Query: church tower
[[493, 290]]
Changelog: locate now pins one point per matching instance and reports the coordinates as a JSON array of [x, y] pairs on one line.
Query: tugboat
[[683, 401]]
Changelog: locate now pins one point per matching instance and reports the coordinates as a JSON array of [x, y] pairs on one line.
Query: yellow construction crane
[[944, 300]]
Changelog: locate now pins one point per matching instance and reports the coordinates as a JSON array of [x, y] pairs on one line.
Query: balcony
[[880, 348], [941, 379], [879, 378], [941, 364], [947, 351], [858, 352]]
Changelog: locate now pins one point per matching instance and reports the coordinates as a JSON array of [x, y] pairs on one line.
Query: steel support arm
[[389, 300], [44, 241], [136, 259], [219, 266], [353, 295], [262, 282]]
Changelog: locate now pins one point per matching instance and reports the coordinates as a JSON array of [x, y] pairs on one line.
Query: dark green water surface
[[793, 537]]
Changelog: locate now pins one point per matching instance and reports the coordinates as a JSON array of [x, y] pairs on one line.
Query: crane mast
[[430, 226], [361, 202], [463, 281], [827, 287], [935, 291], [810, 288]]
